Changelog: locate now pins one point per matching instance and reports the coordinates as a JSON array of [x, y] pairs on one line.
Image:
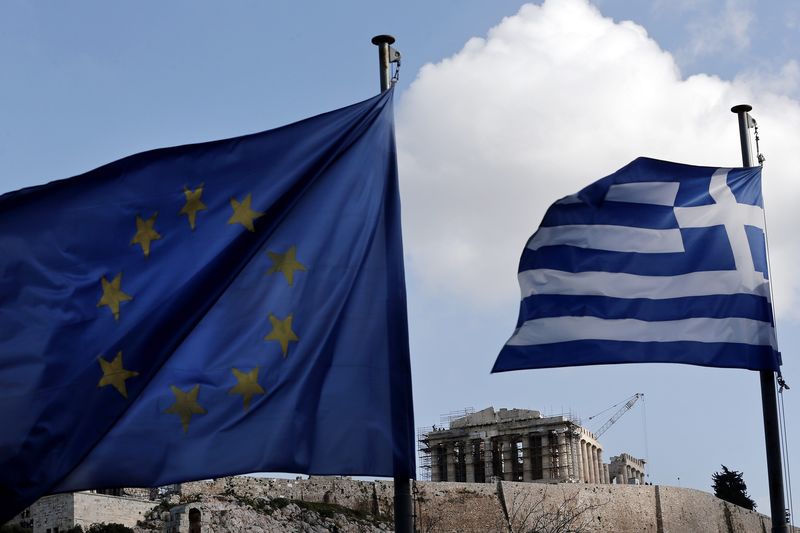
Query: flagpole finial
[[741, 108], [380, 39]]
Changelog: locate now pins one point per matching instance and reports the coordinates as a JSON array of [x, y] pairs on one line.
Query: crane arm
[[624, 409]]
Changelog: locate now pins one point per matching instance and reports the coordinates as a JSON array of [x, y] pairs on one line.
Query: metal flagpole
[[403, 514], [769, 403], [386, 55]]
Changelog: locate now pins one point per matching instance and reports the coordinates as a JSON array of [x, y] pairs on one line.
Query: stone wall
[[52, 512], [90, 508], [700, 511], [481, 507], [458, 507], [439, 507]]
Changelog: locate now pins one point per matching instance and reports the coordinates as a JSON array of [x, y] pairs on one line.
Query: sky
[[502, 108]]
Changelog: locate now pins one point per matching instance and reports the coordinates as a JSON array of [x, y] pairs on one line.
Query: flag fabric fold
[[658, 262], [207, 310]]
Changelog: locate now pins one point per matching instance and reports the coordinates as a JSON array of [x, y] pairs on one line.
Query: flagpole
[[403, 512], [384, 42], [769, 403]]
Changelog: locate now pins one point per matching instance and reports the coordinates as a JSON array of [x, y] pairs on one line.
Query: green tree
[[729, 486]]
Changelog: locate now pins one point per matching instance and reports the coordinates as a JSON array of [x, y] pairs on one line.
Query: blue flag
[[658, 262], [206, 310]]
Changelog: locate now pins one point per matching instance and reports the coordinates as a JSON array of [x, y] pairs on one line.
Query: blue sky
[[493, 125]]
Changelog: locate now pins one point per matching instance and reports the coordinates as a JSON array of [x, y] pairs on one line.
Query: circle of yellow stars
[[186, 403]]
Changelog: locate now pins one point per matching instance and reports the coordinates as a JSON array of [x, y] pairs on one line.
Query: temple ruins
[[520, 445]]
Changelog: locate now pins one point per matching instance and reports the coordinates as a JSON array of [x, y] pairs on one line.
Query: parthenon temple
[[520, 445]]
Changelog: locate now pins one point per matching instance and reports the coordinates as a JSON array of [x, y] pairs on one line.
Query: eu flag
[[658, 262], [207, 310]]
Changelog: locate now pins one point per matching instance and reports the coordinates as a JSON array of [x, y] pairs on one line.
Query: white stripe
[[623, 285], [612, 238], [571, 199], [650, 192], [569, 328]]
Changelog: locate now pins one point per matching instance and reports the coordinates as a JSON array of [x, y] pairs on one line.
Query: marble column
[[563, 456], [628, 475], [509, 451], [598, 453], [587, 473], [593, 466], [527, 459], [600, 470], [436, 469], [488, 460], [606, 478], [546, 466], [451, 461], [572, 471], [469, 460]]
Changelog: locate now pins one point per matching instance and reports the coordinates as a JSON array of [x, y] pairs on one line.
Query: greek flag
[[658, 262]]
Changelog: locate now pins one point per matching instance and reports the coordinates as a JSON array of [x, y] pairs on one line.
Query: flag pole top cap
[[380, 39], [742, 108]]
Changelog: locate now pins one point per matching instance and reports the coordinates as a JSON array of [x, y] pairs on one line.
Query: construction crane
[[624, 409]]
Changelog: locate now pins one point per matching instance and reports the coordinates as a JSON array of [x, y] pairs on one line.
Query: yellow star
[[281, 332], [114, 374], [145, 233], [185, 405], [285, 263], [193, 204], [243, 214], [113, 295], [247, 385]]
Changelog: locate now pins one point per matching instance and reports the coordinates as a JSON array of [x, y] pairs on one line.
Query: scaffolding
[[446, 419], [424, 451]]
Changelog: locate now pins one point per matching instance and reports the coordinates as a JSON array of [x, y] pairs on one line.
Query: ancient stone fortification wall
[[59, 512], [635, 508], [458, 507], [52, 512], [93, 508], [478, 507]]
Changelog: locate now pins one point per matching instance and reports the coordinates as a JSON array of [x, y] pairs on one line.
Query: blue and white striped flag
[[658, 262]]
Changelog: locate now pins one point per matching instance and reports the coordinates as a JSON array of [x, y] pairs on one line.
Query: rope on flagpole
[[759, 156], [785, 439]]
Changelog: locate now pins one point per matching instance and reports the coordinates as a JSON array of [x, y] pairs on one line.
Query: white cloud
[[554, 98], [725, 30], [785, 81]]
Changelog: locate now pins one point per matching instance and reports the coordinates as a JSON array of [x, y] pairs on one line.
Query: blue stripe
[[758, 248], [580, 353], [745, 183], [706, 249], [613, 213], [717, 306]]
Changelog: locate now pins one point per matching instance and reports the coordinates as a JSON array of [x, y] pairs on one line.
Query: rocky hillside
[[237, 513]]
